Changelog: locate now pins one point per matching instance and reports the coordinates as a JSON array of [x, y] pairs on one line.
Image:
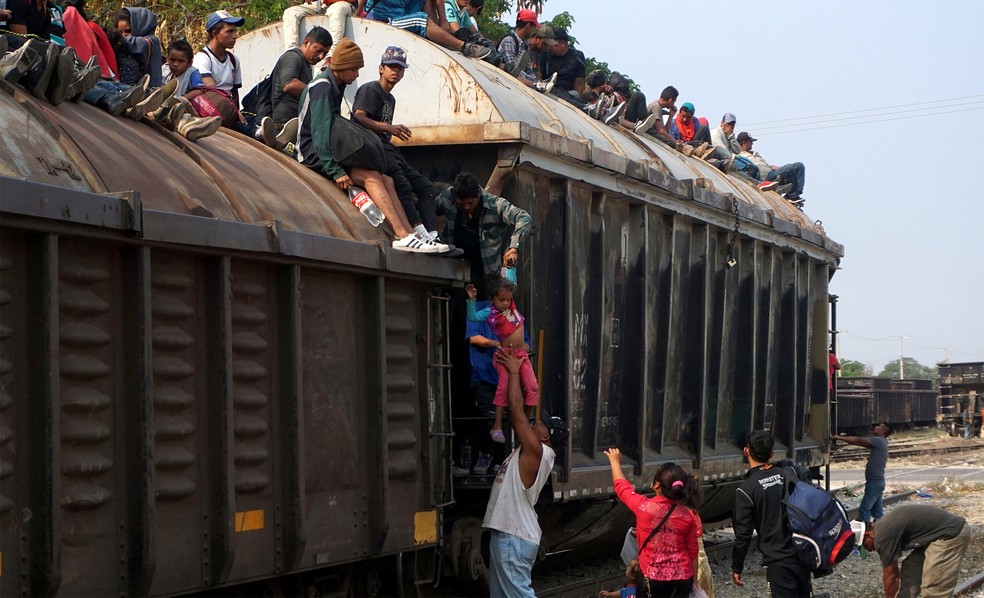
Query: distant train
[[911, 402], [902, 403], [961, 389]]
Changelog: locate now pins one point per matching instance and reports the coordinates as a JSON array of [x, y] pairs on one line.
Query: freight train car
[[961, 392], [867, 400], [218, 377]]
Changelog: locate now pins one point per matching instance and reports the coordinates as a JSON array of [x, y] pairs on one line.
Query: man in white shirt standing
[[510, 514]]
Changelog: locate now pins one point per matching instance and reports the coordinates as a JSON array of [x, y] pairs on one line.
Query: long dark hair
[[672, 480]]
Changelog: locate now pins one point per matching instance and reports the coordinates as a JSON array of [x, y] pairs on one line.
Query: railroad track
[[970, 585], [859, 455]]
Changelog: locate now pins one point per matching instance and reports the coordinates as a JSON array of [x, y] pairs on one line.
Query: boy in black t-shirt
[[373, 108]]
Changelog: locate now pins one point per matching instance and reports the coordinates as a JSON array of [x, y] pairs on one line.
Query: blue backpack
[[822, 534]]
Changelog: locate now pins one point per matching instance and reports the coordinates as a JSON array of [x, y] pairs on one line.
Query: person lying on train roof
[[423, 18], [373, 108], [321, 103], [516, 51]]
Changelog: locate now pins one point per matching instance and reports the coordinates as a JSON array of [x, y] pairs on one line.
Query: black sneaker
[[475, 50], [48, 64]]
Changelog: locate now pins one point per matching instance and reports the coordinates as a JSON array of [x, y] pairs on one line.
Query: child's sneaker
[[194, 128]]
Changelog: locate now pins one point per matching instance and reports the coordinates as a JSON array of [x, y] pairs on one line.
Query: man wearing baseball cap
[[723, 137], [568, 64], [517, 55], [771, 176], [215, 62], [373, 108]]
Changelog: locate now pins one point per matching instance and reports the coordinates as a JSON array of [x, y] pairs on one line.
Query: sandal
[[497, 436]]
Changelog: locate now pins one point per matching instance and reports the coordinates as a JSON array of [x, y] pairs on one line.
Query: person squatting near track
[[667, 528]]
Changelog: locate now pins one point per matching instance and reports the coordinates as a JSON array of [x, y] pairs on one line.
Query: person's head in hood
[[137, 21]]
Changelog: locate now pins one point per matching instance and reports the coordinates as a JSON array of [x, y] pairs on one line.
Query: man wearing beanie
[[321, 103]]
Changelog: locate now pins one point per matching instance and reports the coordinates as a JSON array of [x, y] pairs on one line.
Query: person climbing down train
[[507, 323]]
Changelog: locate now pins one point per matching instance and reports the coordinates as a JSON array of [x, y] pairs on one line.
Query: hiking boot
[[709, 152], [174, 114], [475, 50], [616, 113], [48, 64], [768, 185], [83, 81], [522, 61], [13, 66], [62, 76], [287, 133], [194, 128], [148, 104], [132, 97], [686, 150], [645, 124]]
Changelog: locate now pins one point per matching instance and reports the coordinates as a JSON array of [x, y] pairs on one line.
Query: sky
[[883, 101]]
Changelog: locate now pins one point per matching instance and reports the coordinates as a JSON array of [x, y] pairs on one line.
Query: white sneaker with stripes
[[417, 244]]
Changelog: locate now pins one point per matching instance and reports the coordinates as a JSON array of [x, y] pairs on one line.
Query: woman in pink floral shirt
[[669, 559]]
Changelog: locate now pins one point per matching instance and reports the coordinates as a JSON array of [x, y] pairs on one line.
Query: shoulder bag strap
[[657, 528]]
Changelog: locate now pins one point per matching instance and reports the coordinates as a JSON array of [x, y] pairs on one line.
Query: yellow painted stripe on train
[[249, 520], [425, 527]]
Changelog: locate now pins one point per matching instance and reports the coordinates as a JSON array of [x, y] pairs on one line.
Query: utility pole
[[901, 354]]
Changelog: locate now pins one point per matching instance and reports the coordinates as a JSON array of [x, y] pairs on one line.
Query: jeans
[[871, 502], [104, 88], [794, 174], [511, 566]]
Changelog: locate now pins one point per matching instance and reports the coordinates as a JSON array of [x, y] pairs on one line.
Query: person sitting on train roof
[[773, 176], [138, 26], [540, 43], [423, 18], [874, 470], [517, 52], [486, 227], [373, 108], [723, 137], [321, 102], [686, 129], [176, 113], [652, 124], [45, 69], [337, 12], [291, 75], [569, 66], [220, 70], [460, 15]]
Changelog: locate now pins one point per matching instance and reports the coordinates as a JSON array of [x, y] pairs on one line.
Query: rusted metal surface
[[224, 176]]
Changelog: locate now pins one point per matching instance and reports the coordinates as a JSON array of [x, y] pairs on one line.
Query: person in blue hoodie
[[138, 26]]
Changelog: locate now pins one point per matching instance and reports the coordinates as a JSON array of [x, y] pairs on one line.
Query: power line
[[912, 113], [870, 122], [867, 110]]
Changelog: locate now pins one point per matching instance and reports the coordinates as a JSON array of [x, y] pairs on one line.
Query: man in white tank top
[[510, 515]]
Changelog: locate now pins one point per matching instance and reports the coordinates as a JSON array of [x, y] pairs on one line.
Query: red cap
[[528, 16]]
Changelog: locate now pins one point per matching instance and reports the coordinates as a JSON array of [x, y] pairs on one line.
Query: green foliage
[[854, 369], [912, 369]]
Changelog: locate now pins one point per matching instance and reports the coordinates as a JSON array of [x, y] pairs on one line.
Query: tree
[[854, 369], [912, 369]]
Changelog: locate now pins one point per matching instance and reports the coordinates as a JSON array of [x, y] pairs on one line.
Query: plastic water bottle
[[362, 201], [509, 273], [466, 454]]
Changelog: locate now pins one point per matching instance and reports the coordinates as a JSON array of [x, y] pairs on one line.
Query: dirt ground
[[857, 578]]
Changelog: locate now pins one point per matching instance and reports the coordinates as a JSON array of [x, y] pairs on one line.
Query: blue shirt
[[481, 357]]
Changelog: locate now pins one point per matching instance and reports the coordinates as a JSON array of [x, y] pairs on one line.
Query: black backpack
[[258, 100]]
